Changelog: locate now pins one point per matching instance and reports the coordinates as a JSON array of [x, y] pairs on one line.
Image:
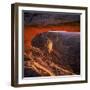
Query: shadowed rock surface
[[53, 54], [49, 18]]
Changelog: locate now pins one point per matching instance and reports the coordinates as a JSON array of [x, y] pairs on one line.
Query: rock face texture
[[49, 18], [53, 54]]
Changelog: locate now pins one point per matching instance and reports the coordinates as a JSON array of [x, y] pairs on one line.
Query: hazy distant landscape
[[63, 59]]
